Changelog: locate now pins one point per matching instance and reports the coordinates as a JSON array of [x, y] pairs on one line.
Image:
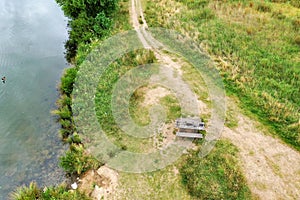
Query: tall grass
[[217, 176], [255, 46], [104, 95], [33, 192]]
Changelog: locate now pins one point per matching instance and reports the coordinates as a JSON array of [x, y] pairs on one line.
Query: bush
[[68, 80], [24, 193], [74, 138], [64, 133], [102, 25], [64, 112], [88, 19], [64, 100], [76, 161], [34, 192]]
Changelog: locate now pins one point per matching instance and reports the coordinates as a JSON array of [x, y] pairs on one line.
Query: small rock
[[74, 186]]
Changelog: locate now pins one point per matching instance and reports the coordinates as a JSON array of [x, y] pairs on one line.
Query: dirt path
[[272, 168]]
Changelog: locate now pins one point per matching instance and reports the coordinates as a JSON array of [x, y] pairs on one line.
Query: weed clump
[[263, 7], [34, 192]]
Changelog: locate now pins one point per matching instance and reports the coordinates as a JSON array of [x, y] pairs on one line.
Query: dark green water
[[32, 33]]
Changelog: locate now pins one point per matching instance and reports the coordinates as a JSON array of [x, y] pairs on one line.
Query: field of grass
[[255, 45]]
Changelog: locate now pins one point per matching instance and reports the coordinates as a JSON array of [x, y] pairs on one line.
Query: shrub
[[64, 100], [23, 193], [76, 161], [102, 25], [68, 80], [60, 192], [64, 112], [88, 19]]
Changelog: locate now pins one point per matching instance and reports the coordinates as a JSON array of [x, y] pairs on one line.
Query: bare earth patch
[[99, 184], [271, 167], [153, 95]]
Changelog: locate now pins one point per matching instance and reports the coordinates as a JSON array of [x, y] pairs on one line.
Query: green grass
[[162, 184], [155, 185], [216, 176], [255, 46], [121, 18], [171, 104], [104, 96]]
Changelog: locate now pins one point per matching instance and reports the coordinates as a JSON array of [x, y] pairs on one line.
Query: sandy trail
[[272, 168]]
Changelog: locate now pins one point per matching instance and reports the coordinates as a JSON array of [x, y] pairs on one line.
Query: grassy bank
[[256, 48], [76, 161]]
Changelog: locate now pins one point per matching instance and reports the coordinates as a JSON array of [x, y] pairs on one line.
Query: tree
[[88, 19]]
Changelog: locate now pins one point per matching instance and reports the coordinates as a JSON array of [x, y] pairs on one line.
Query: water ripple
[[31, 32]]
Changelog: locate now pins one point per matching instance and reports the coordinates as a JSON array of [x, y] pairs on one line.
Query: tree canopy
[[87, 19]]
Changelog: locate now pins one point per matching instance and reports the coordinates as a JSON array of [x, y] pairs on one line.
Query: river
[[32, 35]]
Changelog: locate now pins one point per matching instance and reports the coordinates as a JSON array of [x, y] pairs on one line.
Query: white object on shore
[[74, 186]]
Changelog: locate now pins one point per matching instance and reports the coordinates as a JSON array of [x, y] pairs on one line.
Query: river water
[[32, 33]]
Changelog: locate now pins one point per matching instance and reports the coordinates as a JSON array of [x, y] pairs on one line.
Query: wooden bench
[[189, 135]]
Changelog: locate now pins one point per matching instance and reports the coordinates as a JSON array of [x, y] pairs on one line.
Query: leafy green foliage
[[89, 19], [68, 80], [26, 193], [53, 193], [76, 161], [73, 8], [102, 24], [64, 113], [216, 176]]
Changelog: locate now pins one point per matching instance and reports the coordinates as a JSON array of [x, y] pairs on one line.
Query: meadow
[[255, 46]]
